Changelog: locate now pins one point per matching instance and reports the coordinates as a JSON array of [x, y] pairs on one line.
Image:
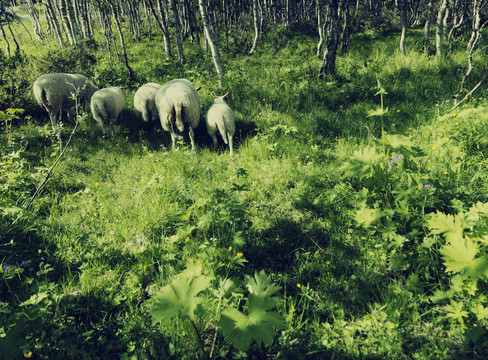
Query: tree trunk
[[161, 20], [402, 7], [34, 16], [256, 25], [176, 24], [439, 30], [428, 20], [121, 37], [320, 28], [7, 47], [52, 21], [213, 48], [330, 52]]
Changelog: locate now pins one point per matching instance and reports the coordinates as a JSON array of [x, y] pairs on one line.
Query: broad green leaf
[[261, 284], [459, 254], [455, 311], [366, 217], [378, 112], [259, 323], [362, 161], [451, 226], [180, 297]]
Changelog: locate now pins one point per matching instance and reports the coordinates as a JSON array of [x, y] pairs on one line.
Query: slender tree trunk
[[213, 47], [161, 20], [320, 28], [176, 24], [402, 6], [428, 21], [34, 16], [53, 21], [121, 37], [7, 47], [346, 31], [256, 25], [439, 30], [330, 52]]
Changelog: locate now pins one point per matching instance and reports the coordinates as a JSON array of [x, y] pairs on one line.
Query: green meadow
[[349, 224]]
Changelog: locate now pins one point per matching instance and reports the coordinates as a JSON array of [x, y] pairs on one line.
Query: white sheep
[[221, 117], [56, 93], [178, 105], [144, 102], [106, 106]]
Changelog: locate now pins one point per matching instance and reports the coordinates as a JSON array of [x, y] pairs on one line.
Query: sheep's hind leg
[[229, 136], [192, 139]]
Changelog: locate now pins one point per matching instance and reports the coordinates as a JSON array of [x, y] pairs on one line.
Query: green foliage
[[258, 323], [180, 298]]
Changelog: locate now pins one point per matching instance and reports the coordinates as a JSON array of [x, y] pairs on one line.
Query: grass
[[339, 216]]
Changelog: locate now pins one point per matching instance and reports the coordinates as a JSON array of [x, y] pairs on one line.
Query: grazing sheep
[[56, 92], [178, 105], [144, 102], [106, 106], [221, 117]]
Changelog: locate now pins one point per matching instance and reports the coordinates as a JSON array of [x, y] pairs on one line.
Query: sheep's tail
[[41, 96], [222, 130], [179, 117]]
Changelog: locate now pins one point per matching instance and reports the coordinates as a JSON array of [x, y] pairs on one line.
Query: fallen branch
[[472, 90], [51, 170]]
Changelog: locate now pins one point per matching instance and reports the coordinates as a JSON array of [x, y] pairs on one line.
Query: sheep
[[178, 105], [144, 102], [106, 106], [221, 117], [56, 92]]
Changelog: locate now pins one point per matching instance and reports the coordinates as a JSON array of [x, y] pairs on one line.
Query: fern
[[258, 323]]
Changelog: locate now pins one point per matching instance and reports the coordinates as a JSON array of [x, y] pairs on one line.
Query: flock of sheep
[[176, 104]]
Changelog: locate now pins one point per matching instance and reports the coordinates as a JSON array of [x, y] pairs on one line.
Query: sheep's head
[[219, 98]]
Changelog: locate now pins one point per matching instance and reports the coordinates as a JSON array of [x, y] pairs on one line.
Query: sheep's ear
[[213, 94], [198, 88], [226, 94]]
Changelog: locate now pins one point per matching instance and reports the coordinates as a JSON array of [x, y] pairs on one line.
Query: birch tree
[[213, 47], [330, 52]]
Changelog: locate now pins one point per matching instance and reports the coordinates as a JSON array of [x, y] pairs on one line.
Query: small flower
[[468, 163], [239, 254], [81, 227], [391, 161], [399, 157], [299, 285], [178, 137], [445, 172], [209, 170], [445, 139], [97, 183], [426, 186], [21, 137], [187, 239], [447, 100], [24, 264], [28, 354], [230, 248], [162, 146], [434, 146], [39, 251], [5, 267]]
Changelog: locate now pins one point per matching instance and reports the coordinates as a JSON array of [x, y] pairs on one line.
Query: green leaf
[[362, 162], [259, 323], [460, 255], [455, 311], [180, 298], [378, 112], [366, 217], [451, 226], [261, 284]]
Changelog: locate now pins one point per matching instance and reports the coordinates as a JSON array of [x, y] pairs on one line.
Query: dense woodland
[[350, 223]]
